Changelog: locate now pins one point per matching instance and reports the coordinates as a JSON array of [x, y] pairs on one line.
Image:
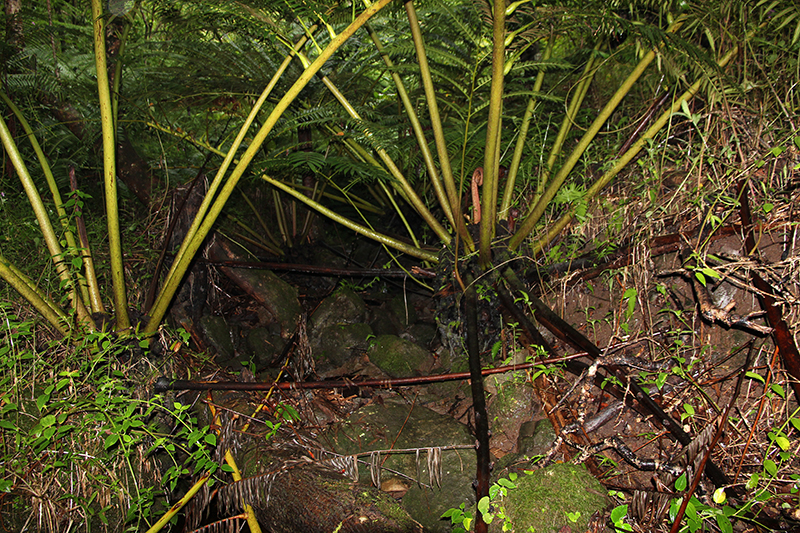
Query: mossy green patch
[[542, 499], [398, 357]]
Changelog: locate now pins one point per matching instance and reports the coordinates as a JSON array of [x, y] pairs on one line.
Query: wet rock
[[510, 404], [396, 425], [403, 310], [338, 343], [278, 298], [422, 334], [535, 438], [542, 499], [342, 307], [265, 343], [398, 357], [218, 334], [383, 322]]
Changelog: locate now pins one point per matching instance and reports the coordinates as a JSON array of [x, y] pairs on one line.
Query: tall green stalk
[[400, 181], [605, 179], [195, 241], [28, 290], [566, 125], [491, 162], [181, 261], [416, 127], [530, 221], [45, 226], [413, 251], [522, 137], [433, 111], [87, 284], [123, 322]]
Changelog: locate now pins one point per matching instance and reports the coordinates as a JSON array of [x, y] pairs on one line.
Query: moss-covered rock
[[399, 426], [337, 343], [548, 499], [342, 307], [398, 357]]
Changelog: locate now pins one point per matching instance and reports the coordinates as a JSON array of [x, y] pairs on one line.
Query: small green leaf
[[503, 482], [777, 389], [48, 421], [770, 467], [753, 481], [753, 375], [711, 273], [111, 440], [42, 400], [211, 439], [680, 483], [700, 277], [724, 523], [618, 513]]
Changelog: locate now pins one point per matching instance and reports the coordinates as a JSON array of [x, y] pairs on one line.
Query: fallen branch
[[164, 384]]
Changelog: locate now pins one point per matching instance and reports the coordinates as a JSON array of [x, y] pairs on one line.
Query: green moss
[[542, 499], [398, 357]]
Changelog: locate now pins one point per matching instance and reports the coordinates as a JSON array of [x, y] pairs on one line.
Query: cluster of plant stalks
[[462, 111]]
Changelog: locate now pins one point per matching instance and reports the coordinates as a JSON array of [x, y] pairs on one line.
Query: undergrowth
[[83, 444]]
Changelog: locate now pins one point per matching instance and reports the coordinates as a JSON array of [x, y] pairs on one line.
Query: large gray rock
[[399, 358], [278, 298], [342, 307], [336, 344], [398, 425]]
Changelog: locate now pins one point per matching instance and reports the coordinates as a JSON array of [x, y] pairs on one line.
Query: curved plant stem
[[27, 289], [40, 211], [400, 181], [594, 190], [416, 126], [179, 265], [433, 110], [252, 523], [123, 322], [569, 119], [491, 161], [530, 221], [513, 170], [194, 240], [164, 520], [90, 291], [362, 230]]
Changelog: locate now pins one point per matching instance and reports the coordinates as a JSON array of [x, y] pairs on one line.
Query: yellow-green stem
[[433, 110], [626, 158], [566, 125], [416, 127], [25, 287], [192, 242], [358, 228], [40, 211], [491, 163], [90, 291], [400, 180], [530, 221], [164, 520], [522, 138], [109, 170]]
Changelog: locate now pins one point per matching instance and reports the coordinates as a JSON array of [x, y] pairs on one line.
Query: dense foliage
[[355, 112]]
